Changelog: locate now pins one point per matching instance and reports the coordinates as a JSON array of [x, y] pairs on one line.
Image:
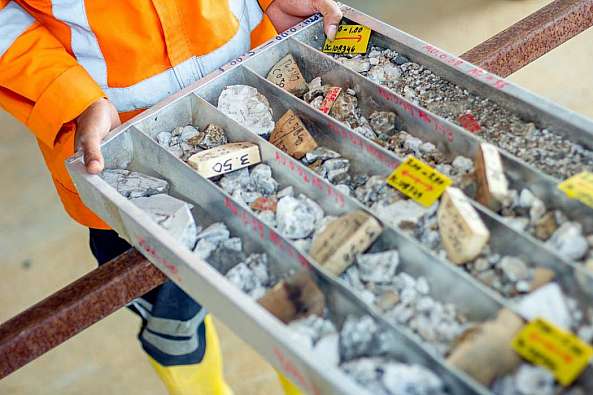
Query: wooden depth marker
[[225, 159], [286, 74], [493, 186], [292, 137], [462, 231], [342, 239]]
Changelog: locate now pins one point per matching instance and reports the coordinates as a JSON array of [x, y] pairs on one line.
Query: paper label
[[419, 181], [579, 187], [559, 351], [291, 136], [349, 39], [330, 99], [225, 159]]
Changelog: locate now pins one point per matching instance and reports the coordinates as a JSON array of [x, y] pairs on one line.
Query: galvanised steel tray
[[132, 146]]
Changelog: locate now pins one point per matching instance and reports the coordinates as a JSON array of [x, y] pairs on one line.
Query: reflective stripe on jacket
[[59, 56]]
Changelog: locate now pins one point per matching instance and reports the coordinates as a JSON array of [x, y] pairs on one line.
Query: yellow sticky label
[[419, 181], [349, 39], [579, 187], [557, 350]]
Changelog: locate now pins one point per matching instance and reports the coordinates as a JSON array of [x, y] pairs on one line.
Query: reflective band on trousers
[[168, 327], [13, 22], [153, 89]]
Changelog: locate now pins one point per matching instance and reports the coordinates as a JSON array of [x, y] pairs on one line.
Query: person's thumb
[[90, 143], [332, 15]]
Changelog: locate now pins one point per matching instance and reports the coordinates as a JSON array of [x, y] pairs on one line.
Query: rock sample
[[485, 351], [336, 246], [172, 214], [463, 233], [132, 184], [286, 74], [292, 137], [294, 298], [492, 183], [248, 107], [225, 159]]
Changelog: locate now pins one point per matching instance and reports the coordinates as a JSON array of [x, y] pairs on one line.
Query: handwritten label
[[419, 181], [342, 239], [559, 351], [579, 187], [287, 75], [292, 137], [224, 159], [349, 39], [463, 233], [330, 99]]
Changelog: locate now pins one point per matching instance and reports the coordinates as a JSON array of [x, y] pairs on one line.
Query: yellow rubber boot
[[204, 378], [287, 385]]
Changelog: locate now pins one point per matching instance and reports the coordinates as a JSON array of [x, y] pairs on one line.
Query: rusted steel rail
[[532, 37], [74, 308], [112, 286]]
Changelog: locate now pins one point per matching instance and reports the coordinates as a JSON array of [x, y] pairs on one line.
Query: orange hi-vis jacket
[[59, 56]]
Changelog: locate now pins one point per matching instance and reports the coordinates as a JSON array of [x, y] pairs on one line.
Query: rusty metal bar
[[532, 37], [112, 286], [74, 308]]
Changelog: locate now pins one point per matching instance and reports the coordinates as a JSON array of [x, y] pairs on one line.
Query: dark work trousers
[[173, 330]]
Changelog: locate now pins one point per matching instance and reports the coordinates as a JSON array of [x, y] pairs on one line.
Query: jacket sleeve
[[41, 84]]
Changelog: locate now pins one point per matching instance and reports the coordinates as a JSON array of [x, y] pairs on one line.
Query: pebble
[[514, 269], [248, 107], [547, 302], [569, 242], [261, 175], [215, 233]]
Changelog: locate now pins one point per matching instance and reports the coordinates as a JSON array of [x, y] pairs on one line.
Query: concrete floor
[[34, 229]]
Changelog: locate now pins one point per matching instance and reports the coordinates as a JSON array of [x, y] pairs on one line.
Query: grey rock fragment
[[261, 175], [132, 184], [379, 267], [248, 107], [320, 153], [547, 302], [411, 380], [215, 233], [297, 217]]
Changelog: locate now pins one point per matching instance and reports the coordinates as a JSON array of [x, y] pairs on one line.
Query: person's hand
[[287, 13], [91, 127]]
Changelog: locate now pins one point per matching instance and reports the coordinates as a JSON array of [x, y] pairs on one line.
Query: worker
[[72, 70]]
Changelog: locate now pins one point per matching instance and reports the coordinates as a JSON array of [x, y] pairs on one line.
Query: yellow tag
[[579, 187], [349, 39], [419, 181], [559, 351]]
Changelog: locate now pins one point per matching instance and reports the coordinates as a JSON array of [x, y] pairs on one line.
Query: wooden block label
[[225, 159], [493, 186], [330, 99], [292, 137], [559, 351], [349, 39], [419, 181], [342, 239], [286, 74], [579, 187], [462, 231]]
